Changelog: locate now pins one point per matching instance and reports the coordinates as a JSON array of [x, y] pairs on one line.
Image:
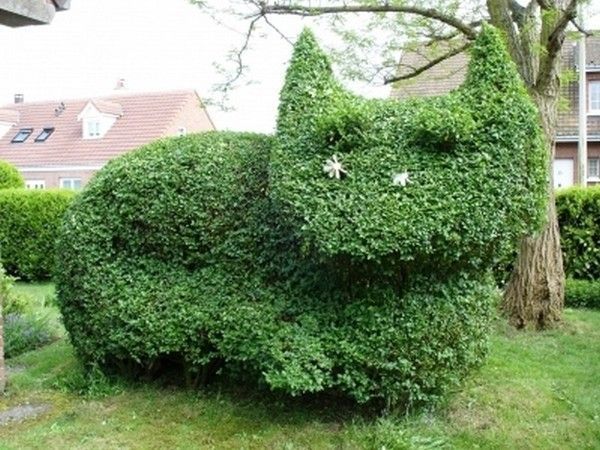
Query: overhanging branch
[[311, 11], [429, 65]]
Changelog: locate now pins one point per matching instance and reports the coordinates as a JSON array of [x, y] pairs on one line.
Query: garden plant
[[350, 252]]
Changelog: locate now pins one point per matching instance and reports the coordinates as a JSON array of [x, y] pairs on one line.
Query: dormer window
[[22, 135], [98, 117], [44, 135]]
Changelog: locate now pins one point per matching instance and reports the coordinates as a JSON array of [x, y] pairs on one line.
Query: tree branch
[[581, 29], [309, 11], [554, 44], [429, 65]]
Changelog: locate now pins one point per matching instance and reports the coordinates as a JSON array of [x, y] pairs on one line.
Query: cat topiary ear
[[309, 84], [490, 66]]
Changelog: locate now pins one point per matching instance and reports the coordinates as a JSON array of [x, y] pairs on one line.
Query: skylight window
[[44, 135], [22, 135]]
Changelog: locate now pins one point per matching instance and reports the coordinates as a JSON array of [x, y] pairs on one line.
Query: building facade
[[63, 143]]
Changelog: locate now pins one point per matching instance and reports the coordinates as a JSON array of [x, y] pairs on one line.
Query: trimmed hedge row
[[239, 252], [582, 293], [29, 224], [579, 218], [10, 177]]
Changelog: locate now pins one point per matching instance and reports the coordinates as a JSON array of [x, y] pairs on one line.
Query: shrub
[[10, 301], [10, 177], [236, 251], [582, 293], [29, 223], [578, 212], [26, 332]]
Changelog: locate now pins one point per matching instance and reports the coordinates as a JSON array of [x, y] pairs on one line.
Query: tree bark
[[535, 292]]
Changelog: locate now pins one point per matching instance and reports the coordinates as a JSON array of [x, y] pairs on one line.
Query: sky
[[154, 45]]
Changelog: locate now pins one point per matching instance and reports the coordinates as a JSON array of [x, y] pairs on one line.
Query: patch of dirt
[[22, 412]]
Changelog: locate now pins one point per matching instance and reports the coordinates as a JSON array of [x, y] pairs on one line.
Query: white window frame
[[35, 184], [92, 128], [69, 183], [594, 97], [595, 174]]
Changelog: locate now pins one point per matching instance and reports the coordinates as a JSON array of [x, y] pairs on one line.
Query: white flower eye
[[400, 179], [334, 168]]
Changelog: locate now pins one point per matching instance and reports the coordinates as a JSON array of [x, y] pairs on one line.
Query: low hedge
[[29, 223], [10, 177], [579, 218], [582, 293]]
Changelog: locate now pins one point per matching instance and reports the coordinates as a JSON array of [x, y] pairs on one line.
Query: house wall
[[52, 177], [568, 150]]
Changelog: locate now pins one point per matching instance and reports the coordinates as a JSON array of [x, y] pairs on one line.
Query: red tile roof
[[107, 107], [9, 116], [145, 117]]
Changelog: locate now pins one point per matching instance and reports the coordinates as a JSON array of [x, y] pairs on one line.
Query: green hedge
[[578, 212], [236, 251], [582, 293], [29, 224], [10, 177]]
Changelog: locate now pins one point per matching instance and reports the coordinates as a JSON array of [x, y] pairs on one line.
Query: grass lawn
[[537, 391]]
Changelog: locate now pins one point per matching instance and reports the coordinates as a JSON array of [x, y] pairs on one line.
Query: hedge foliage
[[236, 251], [10, 177], [29, 224], [578, 212], [582, 293]]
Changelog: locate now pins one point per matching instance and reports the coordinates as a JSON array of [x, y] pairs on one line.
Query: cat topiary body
[[349, 252]]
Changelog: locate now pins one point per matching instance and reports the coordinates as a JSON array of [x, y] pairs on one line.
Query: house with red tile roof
[[450, 73], [63, 143]]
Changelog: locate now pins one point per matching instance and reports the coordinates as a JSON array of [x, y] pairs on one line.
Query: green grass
[[537, 391]]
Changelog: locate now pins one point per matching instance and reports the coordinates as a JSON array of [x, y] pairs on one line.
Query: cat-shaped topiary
[[350, 252]]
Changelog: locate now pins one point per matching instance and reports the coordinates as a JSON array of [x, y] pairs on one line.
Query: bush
[[10, 177], [582, 293], [10, 302], [236, 252], [26, 332], [29, 223], [578, 212]]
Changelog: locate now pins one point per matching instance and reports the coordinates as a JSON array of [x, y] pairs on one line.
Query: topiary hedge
[[29, 224], [10, 177], [578, 212], [239, 251]]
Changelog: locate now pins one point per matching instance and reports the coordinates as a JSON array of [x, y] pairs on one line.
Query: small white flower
[[334, 168], [400, 179]]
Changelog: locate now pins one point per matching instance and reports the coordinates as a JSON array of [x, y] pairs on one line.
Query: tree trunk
[[535, 293]]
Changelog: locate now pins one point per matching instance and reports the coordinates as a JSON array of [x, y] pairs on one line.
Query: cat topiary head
[[455, 178]]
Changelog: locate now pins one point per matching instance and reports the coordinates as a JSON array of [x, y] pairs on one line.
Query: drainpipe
[[582, 153]]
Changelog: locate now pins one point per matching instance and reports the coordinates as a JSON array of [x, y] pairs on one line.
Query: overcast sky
[[153, 45]]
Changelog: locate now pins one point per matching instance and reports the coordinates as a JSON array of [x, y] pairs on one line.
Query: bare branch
[[429, 65], [311, 11], [277, 30], [581, 29]]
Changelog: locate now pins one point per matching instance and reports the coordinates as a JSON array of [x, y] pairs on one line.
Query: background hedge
[[582, 293], [579, 218], [29, 224], [237, 252], [10, 177]]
